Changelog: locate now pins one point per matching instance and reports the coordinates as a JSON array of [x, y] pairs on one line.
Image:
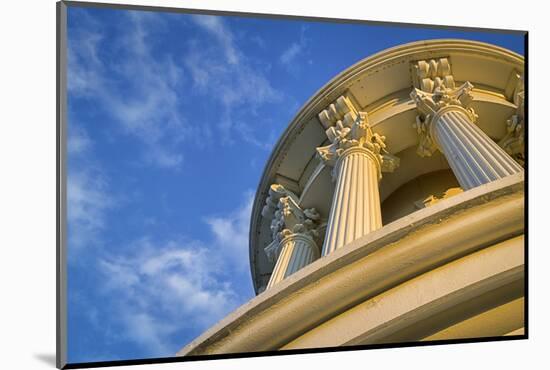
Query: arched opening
[[418, 193]]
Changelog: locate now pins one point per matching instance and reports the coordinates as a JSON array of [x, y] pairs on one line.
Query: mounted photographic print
[[234, 184]]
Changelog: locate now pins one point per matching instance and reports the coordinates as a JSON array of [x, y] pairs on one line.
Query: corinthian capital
[[514, 140], [429, 105], [346, 128], [288, 218]]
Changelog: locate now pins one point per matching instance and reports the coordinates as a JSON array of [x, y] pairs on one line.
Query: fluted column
[[355, 209], [446, 123], [294, 231], [359, 157], [296, 251], [473, 156]]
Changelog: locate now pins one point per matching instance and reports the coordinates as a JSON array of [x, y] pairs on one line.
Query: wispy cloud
[[88, 200], [231, 232], [290, 54], [168, 290], [136, 88], [258, 41], [222, 72], [145, 92], [88, 193], [217, 28], [78, 141], [288, 58], [156, 292], [164, 290]]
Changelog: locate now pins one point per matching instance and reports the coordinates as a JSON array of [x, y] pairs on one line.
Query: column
[[296, 251], [446, 123], [359, 157], [294, 231]]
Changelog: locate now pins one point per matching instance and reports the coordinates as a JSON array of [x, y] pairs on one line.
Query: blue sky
[[171, 119]]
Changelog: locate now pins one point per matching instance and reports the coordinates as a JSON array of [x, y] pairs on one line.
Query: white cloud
[[258, 41], [220, 71], [81, 79], [137, 88], [78, 141], [148, 331], [144, 91], [162, 289], [87, 202], [216, 27], [289, 55], [232, 232], [163, 158], [89, 196], [166, 288], [122, 276]]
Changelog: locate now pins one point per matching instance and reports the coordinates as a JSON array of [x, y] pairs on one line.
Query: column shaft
[[355, 209], [473, 156], [297, 251]]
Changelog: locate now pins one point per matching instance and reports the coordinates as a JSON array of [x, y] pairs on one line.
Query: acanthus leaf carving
[[428, 104], [353, 130], [428, 75], [288, 218], [514, 140]]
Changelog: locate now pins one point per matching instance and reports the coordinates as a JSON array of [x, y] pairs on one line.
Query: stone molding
[[495, 270], [448, 230]]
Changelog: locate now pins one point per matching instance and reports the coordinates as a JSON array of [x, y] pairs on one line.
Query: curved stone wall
[[406, 280]]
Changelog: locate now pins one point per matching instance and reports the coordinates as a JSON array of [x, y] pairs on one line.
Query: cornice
[[496, 272]]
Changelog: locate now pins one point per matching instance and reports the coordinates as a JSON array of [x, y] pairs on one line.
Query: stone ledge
[[430, 237]]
